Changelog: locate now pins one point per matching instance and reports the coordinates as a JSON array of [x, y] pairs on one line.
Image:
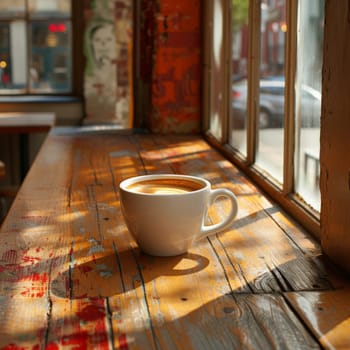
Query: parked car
[[271, 104]]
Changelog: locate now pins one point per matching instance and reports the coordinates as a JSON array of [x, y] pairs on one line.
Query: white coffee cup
[[165, 213]]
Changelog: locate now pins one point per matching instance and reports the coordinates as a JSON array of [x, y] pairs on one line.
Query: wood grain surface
[[72, 277], [26, 122]]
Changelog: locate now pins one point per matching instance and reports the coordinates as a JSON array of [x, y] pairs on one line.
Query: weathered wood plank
[[97, 256], [79, 324], [23, 322], [131, 321], [327, 314], [288, 266], [190, 310], [102, 257], [74, 319], [33, 248], [65, 249], [183, 292]]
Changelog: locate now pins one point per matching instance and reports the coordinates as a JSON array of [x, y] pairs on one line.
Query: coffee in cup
[[166, 213], [165, 186]]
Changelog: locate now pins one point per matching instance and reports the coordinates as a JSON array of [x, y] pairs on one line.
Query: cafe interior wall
[[169, 64], [169, 67]]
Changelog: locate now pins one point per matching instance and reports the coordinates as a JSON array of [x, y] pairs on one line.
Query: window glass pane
[[50, 60], [13, 56], [35, 52], [5, 64], [269, 153], [49, 8], [308, 107], [239, 74], [12, 8]]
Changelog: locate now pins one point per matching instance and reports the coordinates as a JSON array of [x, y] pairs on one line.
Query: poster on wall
[[108, 54]]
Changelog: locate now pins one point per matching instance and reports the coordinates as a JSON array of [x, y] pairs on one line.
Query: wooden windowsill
[[70, 268], [39, 99]]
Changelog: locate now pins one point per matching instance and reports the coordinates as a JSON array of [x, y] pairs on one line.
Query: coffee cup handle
[[214, 195]]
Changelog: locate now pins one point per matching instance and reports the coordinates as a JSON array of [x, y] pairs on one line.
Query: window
[[35, 46], [264, 106]]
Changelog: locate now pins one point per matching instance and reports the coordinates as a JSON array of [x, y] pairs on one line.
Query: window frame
[[77, 25], [284, 196]]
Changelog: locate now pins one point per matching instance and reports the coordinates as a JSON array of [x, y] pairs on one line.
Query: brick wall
[[175, 92]]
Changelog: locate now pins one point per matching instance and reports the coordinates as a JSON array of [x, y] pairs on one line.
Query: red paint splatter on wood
[[91, 313], [79, 341], [100, 334], [84, 268], [52, 346], [36, 277], [30, 259], [11, 268], [123, 342], [39, 285], [9, 256], [12, 347], [34, 292]]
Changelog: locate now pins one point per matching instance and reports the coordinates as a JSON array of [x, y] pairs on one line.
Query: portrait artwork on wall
[[108, 50]]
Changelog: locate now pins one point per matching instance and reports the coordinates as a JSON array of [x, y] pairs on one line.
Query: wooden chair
[[2, 169]]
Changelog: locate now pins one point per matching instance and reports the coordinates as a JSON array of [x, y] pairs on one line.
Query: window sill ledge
[[39, 99]]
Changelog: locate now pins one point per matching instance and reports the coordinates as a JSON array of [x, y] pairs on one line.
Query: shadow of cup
[[118, 273]]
